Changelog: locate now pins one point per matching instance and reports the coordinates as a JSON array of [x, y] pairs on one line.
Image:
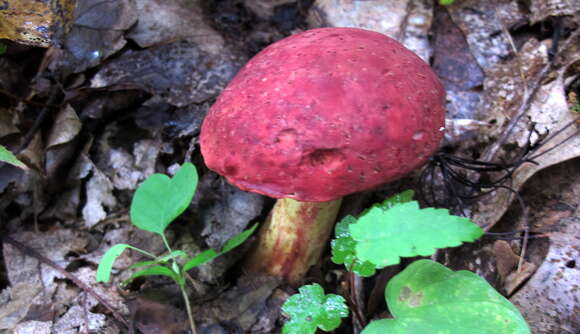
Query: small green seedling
[[9, 157], [311, 309], [156, 203], [426, 297], [446, 2]]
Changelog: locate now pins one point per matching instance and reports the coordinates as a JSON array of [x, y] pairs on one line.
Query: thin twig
[[354, 296], [27, 101], [33, 253], [38, 121], [526, 238]]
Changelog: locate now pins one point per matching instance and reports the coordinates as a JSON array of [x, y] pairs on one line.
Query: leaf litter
[[133, 95]]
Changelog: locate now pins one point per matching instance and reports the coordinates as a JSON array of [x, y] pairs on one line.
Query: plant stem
[[144, 252], [166, 243], [188, 308]]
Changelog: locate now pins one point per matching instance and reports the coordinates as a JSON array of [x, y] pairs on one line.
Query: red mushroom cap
[[325, 113]]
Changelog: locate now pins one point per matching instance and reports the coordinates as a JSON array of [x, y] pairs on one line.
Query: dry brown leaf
[[506, 88], [9, 120], [408, 21], [66, 127], [542, 9], [35, 22], [507, 262], [161, 22], [549, 300], [484, 24]]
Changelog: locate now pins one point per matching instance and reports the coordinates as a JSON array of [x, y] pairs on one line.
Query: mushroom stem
[[293, 237]]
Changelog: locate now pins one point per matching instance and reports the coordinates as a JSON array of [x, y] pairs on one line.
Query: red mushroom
[[314, 117]]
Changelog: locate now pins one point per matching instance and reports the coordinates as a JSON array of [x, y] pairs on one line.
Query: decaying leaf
[[549, 301], [507, 263], [548, 113], [542, 9], [460, 74], [484, 24], [406, 21], [66, 126], [9, 120], [181, 72], [99, 190], [161, 21], [97, 32], [35, 22], [15, 302]]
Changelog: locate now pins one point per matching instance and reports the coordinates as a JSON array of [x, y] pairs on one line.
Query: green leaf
[[403, 197], [446, 2], [161, 260], [8, 157], [106, 264], [311, 309], [343, 250], [200, 259], [427, 297], [154, 271], [211, 254], [160, 199], [385, 233]]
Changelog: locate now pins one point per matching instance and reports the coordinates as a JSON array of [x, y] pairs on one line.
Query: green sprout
[[426, 297], [9, 157], [156, 203]]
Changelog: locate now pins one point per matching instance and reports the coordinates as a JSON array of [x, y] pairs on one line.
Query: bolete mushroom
[[312, 118]]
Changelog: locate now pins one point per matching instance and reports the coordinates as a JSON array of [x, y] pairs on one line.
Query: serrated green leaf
[[211, 254], [427, 297], [107, 261], [383, 236], [400, 198], [158, 270], [311, 309], [161, 260], [160, 199], [343, 250], [8, 157]]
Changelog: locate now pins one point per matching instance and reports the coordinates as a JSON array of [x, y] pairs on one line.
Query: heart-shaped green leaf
[[385, 233], [160, 199], [429, 298]]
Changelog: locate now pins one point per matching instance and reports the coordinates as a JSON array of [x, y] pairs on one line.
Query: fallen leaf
[[35, 22], [66, 127], [549, 300]]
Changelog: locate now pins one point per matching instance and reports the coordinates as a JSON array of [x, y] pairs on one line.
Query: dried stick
[[33, 253]]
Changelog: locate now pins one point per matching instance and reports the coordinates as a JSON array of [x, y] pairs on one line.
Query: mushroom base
[[293, 237]]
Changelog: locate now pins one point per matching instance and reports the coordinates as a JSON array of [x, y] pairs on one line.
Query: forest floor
[[120, 92]]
